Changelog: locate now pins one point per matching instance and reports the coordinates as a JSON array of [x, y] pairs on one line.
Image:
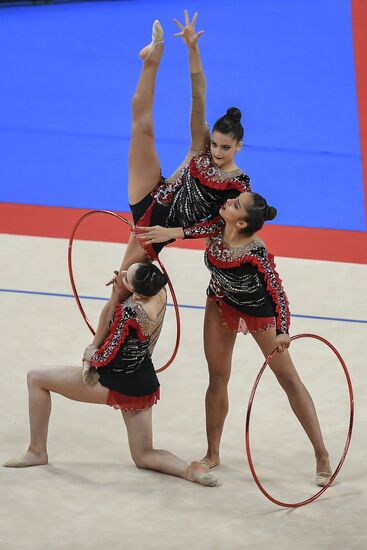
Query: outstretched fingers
[[187, 31], [180, 26], [187, 19]]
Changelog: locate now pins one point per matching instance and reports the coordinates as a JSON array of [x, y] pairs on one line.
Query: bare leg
[[218, 344], [299, 398], [144, 166], [66, 381], [139, 429]]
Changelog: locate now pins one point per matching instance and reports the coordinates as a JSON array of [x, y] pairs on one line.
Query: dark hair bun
[[234, 114], [270, 212], [148, 279], [159, 279], [230, 124]]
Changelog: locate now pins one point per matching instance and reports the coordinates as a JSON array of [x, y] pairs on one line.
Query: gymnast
[[188, 202], [245, 294], [120, 373]]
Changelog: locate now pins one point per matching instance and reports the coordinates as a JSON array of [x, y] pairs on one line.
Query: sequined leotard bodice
[[192, 199], [124, 361], [133, 337], [245, 279], [199, 191]]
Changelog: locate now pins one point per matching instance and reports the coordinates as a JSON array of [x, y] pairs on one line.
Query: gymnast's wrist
[[279, 332], [193, 47], [177, 233]]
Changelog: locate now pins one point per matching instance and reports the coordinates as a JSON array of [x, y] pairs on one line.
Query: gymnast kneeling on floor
[[119, 373]]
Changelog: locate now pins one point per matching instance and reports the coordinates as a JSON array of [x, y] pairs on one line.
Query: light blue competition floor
[[69, 72]]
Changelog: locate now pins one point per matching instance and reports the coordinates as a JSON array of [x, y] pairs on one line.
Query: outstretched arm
[[201, 230], [200, 135]]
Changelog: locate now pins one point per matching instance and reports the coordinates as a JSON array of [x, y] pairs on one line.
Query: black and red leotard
[[191, 200], [124, 362], [246, 286]]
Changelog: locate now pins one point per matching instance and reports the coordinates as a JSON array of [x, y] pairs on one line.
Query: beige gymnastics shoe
[[26, 460], [323, 478], [200, 474], [154, 50]]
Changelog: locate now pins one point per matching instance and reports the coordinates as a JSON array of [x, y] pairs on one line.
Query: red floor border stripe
[[294, 242]]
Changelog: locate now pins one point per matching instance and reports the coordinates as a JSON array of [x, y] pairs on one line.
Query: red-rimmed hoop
[[349, 434], [76, 295]]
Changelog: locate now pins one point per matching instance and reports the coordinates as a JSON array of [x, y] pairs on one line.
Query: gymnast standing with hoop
[[245, 294], [121, 374], [188, 202]]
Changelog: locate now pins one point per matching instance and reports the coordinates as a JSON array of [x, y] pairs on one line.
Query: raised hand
[[188, 31]]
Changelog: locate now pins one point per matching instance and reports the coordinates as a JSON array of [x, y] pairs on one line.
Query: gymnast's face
[[128, 277], [223, 148], [234, 211]]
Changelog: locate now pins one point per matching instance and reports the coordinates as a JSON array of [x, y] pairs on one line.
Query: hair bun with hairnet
[[270, 212], [148, 279], [234, 114]]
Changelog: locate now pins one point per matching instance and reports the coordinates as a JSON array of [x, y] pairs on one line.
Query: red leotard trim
[[204, 179], [259, 265], [132, 403], [133, 323]]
